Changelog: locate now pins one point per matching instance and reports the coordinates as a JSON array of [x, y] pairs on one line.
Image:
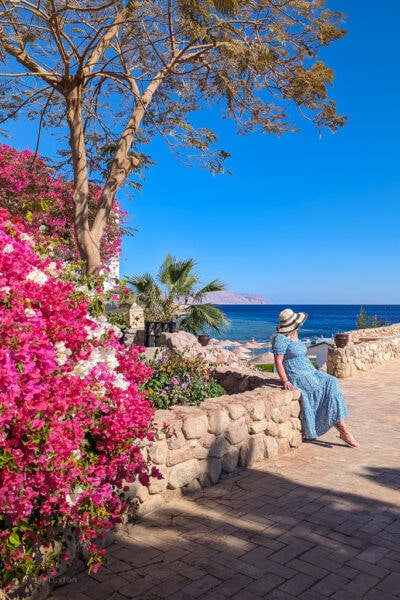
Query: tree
[[118, 73], [364, 321], [172, 295]]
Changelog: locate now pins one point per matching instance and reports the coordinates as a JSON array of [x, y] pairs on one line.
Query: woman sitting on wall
[[322, 402]]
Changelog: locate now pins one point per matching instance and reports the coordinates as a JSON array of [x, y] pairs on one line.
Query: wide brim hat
[[289, 320]]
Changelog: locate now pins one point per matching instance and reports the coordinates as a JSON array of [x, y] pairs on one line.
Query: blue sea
[[260, 321]]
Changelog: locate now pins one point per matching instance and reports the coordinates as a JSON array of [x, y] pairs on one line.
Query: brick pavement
[[322, 522]]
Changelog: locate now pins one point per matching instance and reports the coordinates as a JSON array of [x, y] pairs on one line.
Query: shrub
[[265, 367], [180, 380], [72, 416]]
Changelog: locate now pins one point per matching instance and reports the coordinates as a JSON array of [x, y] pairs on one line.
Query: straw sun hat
[[289, 320]]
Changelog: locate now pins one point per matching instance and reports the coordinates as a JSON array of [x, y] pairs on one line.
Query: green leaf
[[14, 539]]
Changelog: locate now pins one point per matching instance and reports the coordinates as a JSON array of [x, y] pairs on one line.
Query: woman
[[322, 402]]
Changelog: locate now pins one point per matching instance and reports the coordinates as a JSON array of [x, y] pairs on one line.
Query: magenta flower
[[71, 413]]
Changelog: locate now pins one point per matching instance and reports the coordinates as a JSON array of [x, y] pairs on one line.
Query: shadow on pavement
[[255, 535]]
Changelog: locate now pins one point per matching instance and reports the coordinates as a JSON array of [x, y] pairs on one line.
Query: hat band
[[289, 322]]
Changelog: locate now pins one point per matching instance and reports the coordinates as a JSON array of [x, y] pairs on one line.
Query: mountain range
[[227, 297]]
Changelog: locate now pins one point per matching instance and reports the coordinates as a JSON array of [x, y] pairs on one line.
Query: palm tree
[[173, 296]]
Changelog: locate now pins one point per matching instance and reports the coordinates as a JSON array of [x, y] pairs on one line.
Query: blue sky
[[303, 219]]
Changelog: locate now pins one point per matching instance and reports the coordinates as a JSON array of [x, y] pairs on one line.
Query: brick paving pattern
[[322, 522]]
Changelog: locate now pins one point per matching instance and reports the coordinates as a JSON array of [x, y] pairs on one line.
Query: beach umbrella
[[215, 342], [266, 358], [252, 344], [241, 353], [229, 343]]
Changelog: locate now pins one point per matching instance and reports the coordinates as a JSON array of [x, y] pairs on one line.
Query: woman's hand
[[288, 386]]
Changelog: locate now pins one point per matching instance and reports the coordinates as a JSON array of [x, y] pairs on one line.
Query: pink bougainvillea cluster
[[72, 416], [30, 190]]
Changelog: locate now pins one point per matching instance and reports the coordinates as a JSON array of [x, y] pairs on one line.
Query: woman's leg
[[345, 434]]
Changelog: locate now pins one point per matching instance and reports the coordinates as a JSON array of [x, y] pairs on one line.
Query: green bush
[[177, 380], [270, 368], [265, 367]]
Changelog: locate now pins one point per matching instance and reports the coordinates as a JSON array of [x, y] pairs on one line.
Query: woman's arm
[[281, 372]]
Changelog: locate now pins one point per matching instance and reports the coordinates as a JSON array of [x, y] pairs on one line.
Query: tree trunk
[[89, 239]]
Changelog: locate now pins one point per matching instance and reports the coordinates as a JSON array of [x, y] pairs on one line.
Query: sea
[[249, 321]]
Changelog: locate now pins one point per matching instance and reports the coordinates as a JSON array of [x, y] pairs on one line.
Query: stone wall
[[256, 421], [367, 348]]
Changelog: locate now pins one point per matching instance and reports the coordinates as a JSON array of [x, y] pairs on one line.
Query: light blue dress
[[322, 402]]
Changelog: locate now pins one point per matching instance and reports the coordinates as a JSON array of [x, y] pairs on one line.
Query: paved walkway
[[322, 522]]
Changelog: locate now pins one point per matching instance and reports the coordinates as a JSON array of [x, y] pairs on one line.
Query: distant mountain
[[227, 297]]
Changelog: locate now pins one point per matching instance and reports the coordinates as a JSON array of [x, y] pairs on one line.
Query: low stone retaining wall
[[367, 348], [256, 421]]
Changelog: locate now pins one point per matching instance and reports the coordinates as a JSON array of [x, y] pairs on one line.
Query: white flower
[[37, 276], [62, 353], [25, 238], [52, 268], [6, 289], [120, 382], [29, 312], [8, 248], [73, 497]]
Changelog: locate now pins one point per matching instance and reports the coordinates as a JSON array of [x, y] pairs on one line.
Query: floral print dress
[[322, 402]]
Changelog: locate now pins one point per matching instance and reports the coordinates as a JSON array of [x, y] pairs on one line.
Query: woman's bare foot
[[346, 436]]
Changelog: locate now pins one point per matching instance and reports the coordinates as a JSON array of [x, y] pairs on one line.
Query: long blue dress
[[322, 402]]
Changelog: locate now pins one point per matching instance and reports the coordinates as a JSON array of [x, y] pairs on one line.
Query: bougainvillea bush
[[42, 199], [72, 418]]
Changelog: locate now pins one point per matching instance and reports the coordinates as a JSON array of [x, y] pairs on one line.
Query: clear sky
[[303, 219]]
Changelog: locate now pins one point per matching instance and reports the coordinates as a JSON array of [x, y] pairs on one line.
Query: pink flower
[[72, 413]]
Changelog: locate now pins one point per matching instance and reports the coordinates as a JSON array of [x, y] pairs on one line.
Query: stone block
[[183, 473], [237, 431], [192, 487], [295, 408], [153, 503], [252, 451], [218, 420], [283, 446], [284, 429], [136, 490], [210, 471], [220, 447], [207, 440], [157, 452], [258, 426], [176, 440], [276, 415], [256, 410], [296, 423], [199, 453], [271, 447], [230, 460], [295, 439], [271, 428], [180, 455], [159, 485], [236, 410], [194, 426]]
